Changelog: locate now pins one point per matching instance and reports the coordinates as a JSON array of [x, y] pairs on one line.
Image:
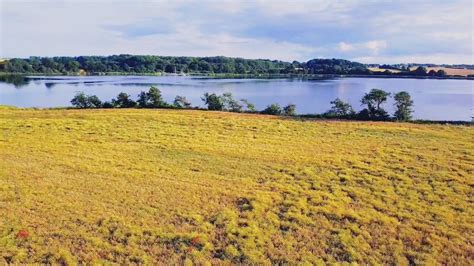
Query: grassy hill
[[156, 186]]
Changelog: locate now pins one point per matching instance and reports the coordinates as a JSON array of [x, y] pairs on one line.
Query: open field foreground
[[163, 186]]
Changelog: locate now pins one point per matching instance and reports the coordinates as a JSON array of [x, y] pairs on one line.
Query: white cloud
[[375, 46], [371, 47], [276, 29], [345, 47]]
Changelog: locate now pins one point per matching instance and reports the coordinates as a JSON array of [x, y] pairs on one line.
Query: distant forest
[[168, 64], [148, 64]]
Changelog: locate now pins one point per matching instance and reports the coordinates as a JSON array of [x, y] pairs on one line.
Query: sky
[[367, 31]]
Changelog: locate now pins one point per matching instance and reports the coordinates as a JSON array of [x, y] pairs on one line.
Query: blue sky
[[369, 31]]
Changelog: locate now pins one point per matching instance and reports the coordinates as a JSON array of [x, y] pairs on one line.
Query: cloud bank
[[369, 31]]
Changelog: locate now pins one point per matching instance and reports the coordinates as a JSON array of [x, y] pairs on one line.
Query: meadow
[[453, 71], [134, 186], [449, 70]]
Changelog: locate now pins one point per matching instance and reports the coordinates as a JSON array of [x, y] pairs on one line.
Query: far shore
[[243, 76]]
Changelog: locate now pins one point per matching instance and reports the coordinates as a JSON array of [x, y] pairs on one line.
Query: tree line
[[373, 102], [147, 64], [170, 64]]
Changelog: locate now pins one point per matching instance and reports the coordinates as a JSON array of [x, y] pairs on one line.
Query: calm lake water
[[434, 99]]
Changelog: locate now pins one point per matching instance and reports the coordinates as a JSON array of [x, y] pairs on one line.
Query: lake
[[434, 99]]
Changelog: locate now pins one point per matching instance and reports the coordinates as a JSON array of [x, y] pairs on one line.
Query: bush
[[181, 102], [107, 105], [151, 99], [289, 110], [94, 101], [213, 101], [123, 101], [81, 100], [340, 109], [272, 109], [373, 115]]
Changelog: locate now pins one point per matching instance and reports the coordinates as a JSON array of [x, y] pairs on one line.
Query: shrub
[[340, 109], [181, 102], [289, 110], [272, 109], [123, 101], [81, 100], [151, 99], [213, 101], [94, 101], [107, 104]]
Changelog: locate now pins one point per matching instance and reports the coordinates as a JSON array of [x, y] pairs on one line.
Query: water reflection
[[17, 80]]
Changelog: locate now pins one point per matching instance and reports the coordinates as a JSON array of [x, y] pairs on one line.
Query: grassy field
[[454, 71], [376, 69], [451, 71], [163, 186]]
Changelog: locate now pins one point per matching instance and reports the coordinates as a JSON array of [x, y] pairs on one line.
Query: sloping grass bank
[[169, 186]]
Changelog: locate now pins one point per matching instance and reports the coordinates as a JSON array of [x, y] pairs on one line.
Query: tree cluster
[[152, 98], [146, 99], [374, 110], [143, 64], [420, 71]]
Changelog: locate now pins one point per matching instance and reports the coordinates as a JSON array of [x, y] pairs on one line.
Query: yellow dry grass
[[451, 71], [165, 187], [376, 69]]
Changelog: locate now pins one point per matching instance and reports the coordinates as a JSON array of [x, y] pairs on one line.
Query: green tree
[[154, 96], [374, 99], [151, 99], [80, 100], [404, 106], [170, 68], [73, 66], [420, 71], [94, 101], [143, 100], [272, 109], [107, 104], [340, 109], [289, 110], [432, 73], [441, 73], [123, 101], [213, 101], [181, 102]]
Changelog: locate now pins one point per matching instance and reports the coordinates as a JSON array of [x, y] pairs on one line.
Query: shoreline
[[240, 76]]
